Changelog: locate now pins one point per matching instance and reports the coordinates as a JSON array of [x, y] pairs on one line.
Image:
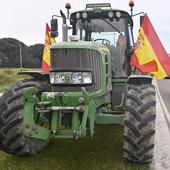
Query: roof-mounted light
[[68, 7], [84, 15], [110, 14], [131, 3], [118, 14], [78, 15], [98, 5]]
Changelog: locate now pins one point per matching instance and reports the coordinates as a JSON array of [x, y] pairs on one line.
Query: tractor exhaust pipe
[[64, 27]]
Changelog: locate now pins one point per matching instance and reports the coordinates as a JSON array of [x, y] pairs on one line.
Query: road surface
[[162, 135], [164, 88]]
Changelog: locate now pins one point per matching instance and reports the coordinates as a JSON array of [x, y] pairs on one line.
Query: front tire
[[12, 139], [139, 124]]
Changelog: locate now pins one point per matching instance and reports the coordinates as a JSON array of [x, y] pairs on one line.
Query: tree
[[10, 52]]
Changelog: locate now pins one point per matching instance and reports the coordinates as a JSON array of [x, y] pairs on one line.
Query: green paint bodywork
[[29, 127], [82, 121], [83, 115]]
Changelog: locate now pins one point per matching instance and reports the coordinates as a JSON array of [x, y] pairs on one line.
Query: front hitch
[[30, 128], [75, 108]]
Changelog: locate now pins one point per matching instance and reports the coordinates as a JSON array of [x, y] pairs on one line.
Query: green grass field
[[9, 76], [103, 152]]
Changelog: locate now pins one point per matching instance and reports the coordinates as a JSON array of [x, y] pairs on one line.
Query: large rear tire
[[12, 139], [139, 124]]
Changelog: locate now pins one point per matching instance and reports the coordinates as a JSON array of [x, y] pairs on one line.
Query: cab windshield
[[112, 34]]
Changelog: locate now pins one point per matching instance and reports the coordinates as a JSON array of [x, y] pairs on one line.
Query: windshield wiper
[[111, 25]]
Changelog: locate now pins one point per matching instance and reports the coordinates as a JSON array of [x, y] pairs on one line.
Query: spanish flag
[[46, 54], [149, 54]]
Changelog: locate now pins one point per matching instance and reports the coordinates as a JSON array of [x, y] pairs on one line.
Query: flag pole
[[20, 56]]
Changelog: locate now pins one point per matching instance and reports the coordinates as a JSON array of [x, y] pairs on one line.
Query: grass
[[9, 76], [103, 152]]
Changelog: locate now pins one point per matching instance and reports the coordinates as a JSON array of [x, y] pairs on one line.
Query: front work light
[[71, 78], [118, 14], [77, 15], [110, 14], [84, 15]]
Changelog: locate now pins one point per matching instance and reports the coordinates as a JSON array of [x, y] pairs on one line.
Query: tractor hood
[[79, 56], [79, 45]]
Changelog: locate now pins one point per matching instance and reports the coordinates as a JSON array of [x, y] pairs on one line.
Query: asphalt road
[[164, 88], [162, 134]]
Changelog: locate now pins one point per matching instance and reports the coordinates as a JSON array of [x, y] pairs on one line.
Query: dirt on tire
[[12, 139]]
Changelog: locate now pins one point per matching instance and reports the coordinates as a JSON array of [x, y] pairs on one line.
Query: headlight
[[77, 77], [70, 77]]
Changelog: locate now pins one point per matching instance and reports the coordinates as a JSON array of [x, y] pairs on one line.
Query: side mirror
[[141, 20], [54, 28]]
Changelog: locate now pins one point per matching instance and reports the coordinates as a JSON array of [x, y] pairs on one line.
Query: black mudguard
[[39, 75], [140, 79]]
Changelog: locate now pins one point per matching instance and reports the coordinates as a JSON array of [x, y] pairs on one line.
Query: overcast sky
[[25, 19]]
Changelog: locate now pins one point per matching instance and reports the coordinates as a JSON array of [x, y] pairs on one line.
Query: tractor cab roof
[[94, 11]]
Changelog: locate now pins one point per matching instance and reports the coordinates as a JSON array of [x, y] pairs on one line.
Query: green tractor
[[90, 82]]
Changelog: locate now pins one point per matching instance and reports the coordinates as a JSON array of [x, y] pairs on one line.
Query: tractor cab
[[102, 24]]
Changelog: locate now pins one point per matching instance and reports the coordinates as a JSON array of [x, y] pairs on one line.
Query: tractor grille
[[77, 59]]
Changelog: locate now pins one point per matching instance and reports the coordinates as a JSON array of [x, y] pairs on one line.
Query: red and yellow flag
[[149, 54], [46, 54]]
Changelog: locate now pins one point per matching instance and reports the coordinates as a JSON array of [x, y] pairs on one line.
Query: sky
[[25, 19]]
